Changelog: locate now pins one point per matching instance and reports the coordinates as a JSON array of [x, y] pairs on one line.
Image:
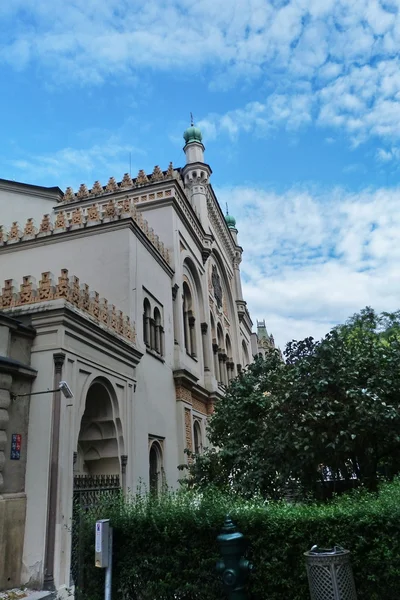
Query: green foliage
[[166, 548], [331, 408]]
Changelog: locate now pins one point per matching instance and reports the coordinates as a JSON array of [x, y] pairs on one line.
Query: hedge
[[166, 548]]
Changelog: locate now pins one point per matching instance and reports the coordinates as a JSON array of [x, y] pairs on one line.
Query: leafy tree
[[330, 411]]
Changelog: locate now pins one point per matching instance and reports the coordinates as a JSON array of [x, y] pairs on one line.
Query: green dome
[[230, 221], [192, 134]]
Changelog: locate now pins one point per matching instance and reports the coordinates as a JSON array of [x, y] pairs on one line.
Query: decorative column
[[224, 358], [175, 309], [204, 328], [157, 338], [48, 584], [221, 367], [192, 336], [152, 334], [236, 272], [124, 461], [216, 361], [5, 399], [147, 331]]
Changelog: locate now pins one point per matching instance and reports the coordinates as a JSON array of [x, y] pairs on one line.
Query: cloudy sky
[[299, 103]]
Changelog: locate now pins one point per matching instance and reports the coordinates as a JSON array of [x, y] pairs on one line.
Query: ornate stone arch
[[99, 437], [192, 308], [156, 466], [220, 273]]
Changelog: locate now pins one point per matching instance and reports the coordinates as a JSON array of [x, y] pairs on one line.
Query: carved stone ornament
[[45, 225], [216, 283], [93, 213], [69, 195], [83, 192], [126, 181], [170, 171], [97, 188], [61, 221], [157, 174], [142, 178], [112, 185]]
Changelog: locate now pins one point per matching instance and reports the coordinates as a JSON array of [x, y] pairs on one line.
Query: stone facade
[[147, 344]]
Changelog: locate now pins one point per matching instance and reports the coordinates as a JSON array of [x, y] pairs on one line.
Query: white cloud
[[110, 158], [345, 52], [312, 258]]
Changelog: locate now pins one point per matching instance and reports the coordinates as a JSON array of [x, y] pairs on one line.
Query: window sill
[[155, 355], [192, 357]]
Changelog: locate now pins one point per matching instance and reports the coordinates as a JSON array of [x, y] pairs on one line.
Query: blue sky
[[299, 103]]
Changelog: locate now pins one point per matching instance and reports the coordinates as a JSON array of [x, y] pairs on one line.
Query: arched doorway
[[98, 441], [97, 468], [155, 467]]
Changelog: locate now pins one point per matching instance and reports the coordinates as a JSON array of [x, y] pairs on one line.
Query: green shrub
[[166, 548]]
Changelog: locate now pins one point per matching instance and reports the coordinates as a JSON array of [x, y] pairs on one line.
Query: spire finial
[[191, 119], [227, 211]]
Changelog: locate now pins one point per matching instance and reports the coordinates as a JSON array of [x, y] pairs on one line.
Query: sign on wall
[[16, 446]]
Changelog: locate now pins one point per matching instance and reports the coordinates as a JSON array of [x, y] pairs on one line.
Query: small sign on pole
[[103, 553]]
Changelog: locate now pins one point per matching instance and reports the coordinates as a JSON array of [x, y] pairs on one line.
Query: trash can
[[330, 575]]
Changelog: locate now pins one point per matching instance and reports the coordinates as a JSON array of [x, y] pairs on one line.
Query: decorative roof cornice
[[125, 185], [79, 217], [77, 295]]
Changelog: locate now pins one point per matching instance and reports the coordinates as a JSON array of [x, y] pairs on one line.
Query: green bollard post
[[233, 567]]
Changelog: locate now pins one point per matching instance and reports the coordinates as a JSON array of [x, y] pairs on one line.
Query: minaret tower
[[196, 173], [240, 302]]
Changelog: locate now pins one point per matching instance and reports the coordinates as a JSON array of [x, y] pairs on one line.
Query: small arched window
[[245, 354], [230, 365], [158, 342], [189, 321], [146, 322], [155, 468], [197, 437]]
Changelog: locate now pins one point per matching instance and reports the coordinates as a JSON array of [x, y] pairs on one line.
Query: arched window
[[230, 365], [223, 377], [214, 347], [245, 354], [159, 333], [146, 322], [197, 437], [155, 468], [189, 321]]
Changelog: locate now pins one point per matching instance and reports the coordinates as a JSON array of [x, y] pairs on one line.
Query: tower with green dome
[[196, 172], [230, 221]]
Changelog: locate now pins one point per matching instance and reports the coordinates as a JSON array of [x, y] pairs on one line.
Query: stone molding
[[69, 289], [113, 186], [80, 218]]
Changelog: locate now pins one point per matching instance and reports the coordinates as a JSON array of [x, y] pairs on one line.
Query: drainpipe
[[48, 583]]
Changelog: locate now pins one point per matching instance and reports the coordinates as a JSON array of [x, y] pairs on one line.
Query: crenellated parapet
[[82, 217], [113, 186], [72, 291]]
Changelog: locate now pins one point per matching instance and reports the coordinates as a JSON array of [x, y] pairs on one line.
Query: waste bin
[[330, 575]]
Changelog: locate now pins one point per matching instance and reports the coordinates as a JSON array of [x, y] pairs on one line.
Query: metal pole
[[48, 583], [108, 578]]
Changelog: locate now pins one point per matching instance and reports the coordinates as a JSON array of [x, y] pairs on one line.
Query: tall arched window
[[189, 321], [197, 437], [214, 347], [245, 354], [159, 332], [155, 468], [230, 365], [221, 355], [146, 322]]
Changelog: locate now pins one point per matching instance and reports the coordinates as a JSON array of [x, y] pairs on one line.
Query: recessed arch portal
[[100, 439]]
